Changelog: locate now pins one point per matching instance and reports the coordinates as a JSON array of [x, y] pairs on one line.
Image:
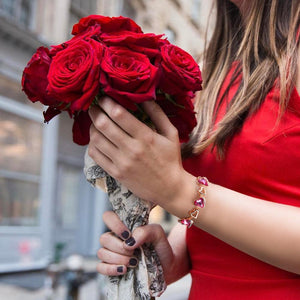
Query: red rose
[[81, 128], [180, 71], [146, 43], [112, 56], [180, 110], [57, 48], [107, 24], [93, 32], [128, 77], [74, 74], [34, 79]]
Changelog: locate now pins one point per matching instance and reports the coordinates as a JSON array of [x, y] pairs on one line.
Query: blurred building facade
[[44, 198], [184, 22]]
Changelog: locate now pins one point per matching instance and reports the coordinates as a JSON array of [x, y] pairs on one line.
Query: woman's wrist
[[199, 202], [183, 197]]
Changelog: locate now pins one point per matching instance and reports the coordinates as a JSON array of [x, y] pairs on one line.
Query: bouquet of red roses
[[113, 57]]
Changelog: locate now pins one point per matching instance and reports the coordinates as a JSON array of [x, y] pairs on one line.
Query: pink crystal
[[200, 202], [203, 180], [186, 222]]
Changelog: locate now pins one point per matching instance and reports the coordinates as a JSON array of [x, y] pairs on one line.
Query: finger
[[154, 234], [160, 119], [107, 127], [110, 269], [111, 242], [151, 233], [114, 223], [122, 117], [105, 146], [111, 257], [103, 161]]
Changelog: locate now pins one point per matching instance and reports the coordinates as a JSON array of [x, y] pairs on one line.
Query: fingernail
[[120, 269], [130, 241], [133, 262], [125, 235]]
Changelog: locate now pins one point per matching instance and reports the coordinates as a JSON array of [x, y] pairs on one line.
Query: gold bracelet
[[199, 203]]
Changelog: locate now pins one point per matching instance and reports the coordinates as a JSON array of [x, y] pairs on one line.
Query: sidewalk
[[90, 291], [178, 290], [9, 292]]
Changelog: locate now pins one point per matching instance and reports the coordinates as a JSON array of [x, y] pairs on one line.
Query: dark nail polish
[[125, 235], [120, 269], [133, 262], [130, 241]]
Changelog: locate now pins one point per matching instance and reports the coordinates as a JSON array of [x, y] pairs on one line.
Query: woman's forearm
[[181, 265], [263, 229]]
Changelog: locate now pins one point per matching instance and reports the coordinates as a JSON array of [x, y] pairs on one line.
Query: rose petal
[[81, 128]]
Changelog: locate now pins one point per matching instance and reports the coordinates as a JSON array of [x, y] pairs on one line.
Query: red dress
[[262, 161]]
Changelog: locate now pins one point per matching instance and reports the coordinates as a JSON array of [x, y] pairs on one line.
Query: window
[[8, 7], [20, 164], [69, 176], [20, 11], [68, 192], [25, 12]]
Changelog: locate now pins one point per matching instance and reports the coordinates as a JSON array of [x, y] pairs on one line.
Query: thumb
[[160, 120], [154, 234]]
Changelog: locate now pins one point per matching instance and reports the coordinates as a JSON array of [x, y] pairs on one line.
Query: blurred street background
[[50, 217]]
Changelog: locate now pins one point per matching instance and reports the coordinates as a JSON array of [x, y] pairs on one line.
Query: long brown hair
[[265, 45]]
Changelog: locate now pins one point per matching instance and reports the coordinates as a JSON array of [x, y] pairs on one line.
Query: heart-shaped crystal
[[186, 222], [200, 202], [203, 180]]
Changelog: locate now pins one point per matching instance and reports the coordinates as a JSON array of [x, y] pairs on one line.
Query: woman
[[245, 242]]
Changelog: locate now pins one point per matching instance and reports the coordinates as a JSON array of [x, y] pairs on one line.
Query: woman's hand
[[147, 162], [117, 254]]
